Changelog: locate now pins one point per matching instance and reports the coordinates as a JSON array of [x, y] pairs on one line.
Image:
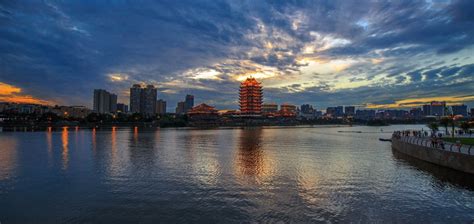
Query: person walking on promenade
[[441, 143]]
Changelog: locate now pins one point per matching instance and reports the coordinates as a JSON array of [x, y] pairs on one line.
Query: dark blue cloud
[[61, 50]]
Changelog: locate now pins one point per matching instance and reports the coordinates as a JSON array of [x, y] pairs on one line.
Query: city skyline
[[368, 54]]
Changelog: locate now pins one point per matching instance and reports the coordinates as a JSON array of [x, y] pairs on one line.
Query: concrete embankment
[[455, 160]]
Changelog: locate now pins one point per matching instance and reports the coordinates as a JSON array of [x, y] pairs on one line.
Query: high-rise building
[[416, 113], [104, 102], [349, 110], [148, 100], [339, 111], [250, 97], [472, 112], [181, 108], [143, 100], [365, 114], [161, 107], [331, 111], [459, 110], [113, 103], [135, 98], [307, 109], [189, 103], [437, 108], [122, 108], [426, 110]]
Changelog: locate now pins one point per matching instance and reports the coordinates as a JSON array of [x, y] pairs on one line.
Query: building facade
[[143, 100], [426, 110], [270, 108], [307, 109], [365, 114], [250, 97], [135, 98], [349, 110], [416, 113], [438, 108], [161, 107], [459, 110], [181, 108], [122, 108], [188, 103], [288, 110], [104, 102], [148, 100]]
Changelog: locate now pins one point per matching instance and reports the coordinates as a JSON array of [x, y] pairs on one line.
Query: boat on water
[[385, 139]]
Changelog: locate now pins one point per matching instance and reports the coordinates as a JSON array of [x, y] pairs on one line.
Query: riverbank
[[456, 157], [179, 122], [464, 141]]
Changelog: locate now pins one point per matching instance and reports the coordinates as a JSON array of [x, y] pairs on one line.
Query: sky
[[372, 54]]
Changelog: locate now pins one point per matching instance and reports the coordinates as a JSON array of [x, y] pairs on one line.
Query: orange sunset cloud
[[416, 102], [13, 94]]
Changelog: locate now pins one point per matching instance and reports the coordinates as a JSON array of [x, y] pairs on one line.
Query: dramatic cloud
[[366, 53], [9, 93]]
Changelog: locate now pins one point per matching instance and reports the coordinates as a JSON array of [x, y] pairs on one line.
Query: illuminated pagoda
[[250, 98]]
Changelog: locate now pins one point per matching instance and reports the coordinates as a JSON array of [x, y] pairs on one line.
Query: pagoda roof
[[250, 81]]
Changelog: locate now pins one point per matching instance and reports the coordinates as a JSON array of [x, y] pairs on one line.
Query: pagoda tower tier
[[250, 97]]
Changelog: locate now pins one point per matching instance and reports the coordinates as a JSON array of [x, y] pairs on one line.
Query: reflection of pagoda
[[250, 98], [253, 162]]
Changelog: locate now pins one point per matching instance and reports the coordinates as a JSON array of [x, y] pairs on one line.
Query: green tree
[[465, 126], [445, 121], [433, 126]]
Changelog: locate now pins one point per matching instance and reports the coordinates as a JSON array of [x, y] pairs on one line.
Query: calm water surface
[[312, 174]]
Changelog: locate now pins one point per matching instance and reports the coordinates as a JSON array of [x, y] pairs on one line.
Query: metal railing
[[448, 146]]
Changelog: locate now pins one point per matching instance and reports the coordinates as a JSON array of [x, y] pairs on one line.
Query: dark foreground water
[[226, 175]]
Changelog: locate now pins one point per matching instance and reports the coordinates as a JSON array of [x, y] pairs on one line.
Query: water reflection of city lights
[[65, 148], [49, 143], [8, 158], [94, 142]]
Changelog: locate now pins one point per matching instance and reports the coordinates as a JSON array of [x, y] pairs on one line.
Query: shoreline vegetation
[[50, 121]]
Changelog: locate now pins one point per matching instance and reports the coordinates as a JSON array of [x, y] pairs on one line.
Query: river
[[241, 175]]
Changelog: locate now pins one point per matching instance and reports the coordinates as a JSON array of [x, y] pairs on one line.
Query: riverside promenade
[[456, 156]]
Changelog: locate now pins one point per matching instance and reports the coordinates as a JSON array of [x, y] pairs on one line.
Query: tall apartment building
[[459, 110], [161, 107], [426, 110], [143, 100], [122, 108], [104, 102], [188, 103], [437, 108], [135, 98], [148, 104], [349, 110], [181, 108]]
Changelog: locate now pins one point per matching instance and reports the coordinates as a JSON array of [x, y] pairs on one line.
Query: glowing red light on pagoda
[[251, 97]]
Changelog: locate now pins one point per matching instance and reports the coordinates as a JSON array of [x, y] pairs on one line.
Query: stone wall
[[454, 160]]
